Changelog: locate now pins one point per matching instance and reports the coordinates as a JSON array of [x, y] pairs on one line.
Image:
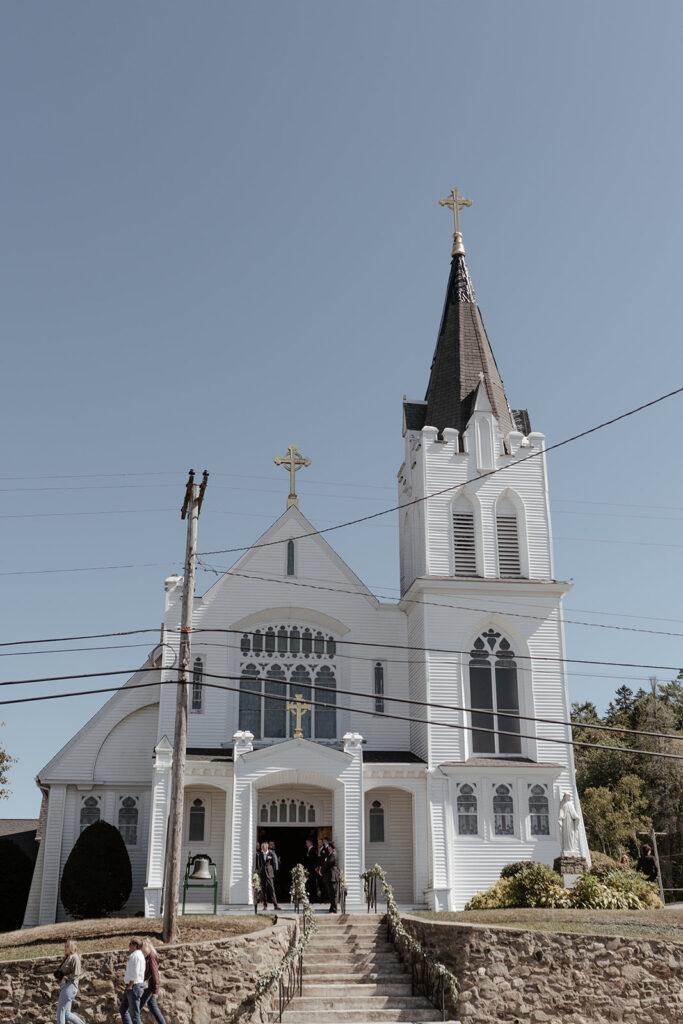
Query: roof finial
[[455, 201]]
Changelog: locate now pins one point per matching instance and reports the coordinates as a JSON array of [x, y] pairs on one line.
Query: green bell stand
[[200, 876]]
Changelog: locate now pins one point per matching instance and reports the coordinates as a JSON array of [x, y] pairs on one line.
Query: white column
[[438, 894], [52, 840], [352, 837], [243, 833], [158, 824]]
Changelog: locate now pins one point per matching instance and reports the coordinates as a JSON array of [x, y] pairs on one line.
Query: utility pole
[[194, 496]]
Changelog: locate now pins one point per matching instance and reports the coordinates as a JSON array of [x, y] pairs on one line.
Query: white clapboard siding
[[213, 842], [126, 754], [395, 854]]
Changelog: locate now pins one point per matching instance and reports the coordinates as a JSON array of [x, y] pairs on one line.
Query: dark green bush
[[537, 885], [16, 872], [601, 864], [97, 878], [513, 869]]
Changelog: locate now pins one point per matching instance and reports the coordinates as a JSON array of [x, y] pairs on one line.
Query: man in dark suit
[[330, 872], [265, 865], [311, 865]]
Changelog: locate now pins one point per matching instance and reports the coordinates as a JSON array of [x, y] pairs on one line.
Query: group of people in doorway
[[140, 980], [320, 860]]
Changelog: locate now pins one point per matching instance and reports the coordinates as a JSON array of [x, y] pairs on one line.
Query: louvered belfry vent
[[464, 545], [508, 546]]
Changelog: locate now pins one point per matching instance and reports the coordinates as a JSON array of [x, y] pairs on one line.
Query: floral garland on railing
[[298, 895], [256, 886], [401, 937]]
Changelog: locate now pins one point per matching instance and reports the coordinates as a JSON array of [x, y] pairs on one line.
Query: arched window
[[90, 811], [507, 535], [195, 833], [493, 692], [325, 704], [197, 688], [539, 812], [264, 814], [467, 810], [302, 812], [128, 820], [273, 811], [269, 679], [311, 813], [275, 712], [283, 811], [464, 540], [290, 557], [379, 687], [503, 811], [376, 822], [250, 701]]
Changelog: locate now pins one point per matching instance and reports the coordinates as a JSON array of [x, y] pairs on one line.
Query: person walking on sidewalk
[[149, 996], [134, 980], [67, 974]]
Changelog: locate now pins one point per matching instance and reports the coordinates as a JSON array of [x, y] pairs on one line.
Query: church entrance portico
[[296, 785]]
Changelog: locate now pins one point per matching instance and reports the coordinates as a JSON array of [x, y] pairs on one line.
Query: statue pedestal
[[570, 868]]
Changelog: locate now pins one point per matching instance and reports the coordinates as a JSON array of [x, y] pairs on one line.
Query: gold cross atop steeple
[[454, 201], [293, 462], [298, 707]]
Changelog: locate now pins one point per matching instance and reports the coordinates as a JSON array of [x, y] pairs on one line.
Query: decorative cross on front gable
[[293, 462], [298, 707]]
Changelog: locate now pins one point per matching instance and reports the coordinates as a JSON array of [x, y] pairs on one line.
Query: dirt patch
[[114, 933], [665, 925]]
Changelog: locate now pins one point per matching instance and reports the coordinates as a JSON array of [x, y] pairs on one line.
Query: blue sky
[[221, 234]]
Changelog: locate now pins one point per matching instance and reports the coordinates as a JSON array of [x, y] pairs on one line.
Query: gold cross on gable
[[293, 462], [298, 707], [455, 202]]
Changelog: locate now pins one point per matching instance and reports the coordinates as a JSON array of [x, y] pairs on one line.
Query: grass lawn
[[666, 925], [114, 933]]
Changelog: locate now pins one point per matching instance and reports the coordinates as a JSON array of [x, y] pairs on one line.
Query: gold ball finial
[[455, 202]]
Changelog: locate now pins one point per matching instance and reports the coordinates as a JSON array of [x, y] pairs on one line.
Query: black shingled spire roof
[[463, 357]]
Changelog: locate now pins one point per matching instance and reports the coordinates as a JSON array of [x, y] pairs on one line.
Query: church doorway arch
[[287, 816]]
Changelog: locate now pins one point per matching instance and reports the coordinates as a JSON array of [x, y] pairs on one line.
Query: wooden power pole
[[194, 495]]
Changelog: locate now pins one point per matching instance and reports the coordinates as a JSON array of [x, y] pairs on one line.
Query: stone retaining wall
[[523, 977], [200, 982]]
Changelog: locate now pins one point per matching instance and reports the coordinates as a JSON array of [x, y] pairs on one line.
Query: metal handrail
[[426, 979], [371, 892], [290, 983]]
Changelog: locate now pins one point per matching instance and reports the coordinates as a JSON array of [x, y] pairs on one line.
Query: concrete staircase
[[352, 974]]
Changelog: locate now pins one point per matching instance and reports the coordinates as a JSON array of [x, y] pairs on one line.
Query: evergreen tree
[[97, 877], [16, 872]]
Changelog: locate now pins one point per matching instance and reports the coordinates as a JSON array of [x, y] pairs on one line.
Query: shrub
[[16, 872], [513, 869], [97, 878], [537, 885], [495, 898], [601, 864], [647, 893]]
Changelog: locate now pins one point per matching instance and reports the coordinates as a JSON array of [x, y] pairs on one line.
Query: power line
[[437, 604], [334, 691], [373, 714], [453, 487]]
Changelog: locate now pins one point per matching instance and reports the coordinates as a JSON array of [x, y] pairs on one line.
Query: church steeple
[[463, 356]]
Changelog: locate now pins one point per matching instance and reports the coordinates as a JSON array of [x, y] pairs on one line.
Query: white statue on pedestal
[[569, 828]]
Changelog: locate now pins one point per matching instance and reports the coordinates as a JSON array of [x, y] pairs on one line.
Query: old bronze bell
[[200, 870]]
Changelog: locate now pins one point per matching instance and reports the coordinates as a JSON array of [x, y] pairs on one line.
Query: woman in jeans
[[70, 971], [151, 981]]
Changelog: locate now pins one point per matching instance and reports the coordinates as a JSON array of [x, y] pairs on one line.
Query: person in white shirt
[[134, 980]]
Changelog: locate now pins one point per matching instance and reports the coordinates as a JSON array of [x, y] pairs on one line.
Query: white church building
[[424, 749]]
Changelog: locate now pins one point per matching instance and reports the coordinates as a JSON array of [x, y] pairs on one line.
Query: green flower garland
[[298, 895], [256, 886], [402, 940]]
